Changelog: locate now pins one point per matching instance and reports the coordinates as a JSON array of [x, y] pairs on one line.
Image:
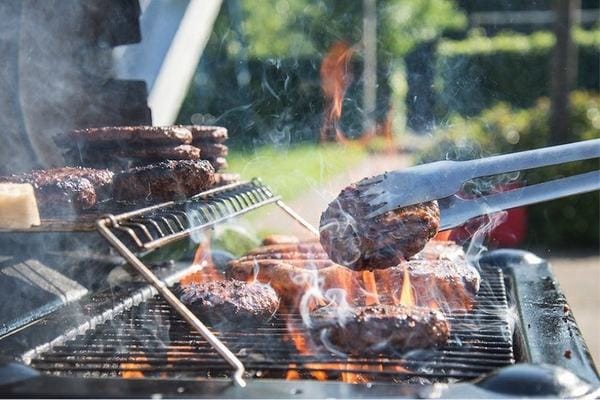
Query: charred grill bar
[[152, 340], [93, 346]]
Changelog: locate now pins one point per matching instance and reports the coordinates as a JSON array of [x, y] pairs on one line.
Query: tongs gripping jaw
[[441, 179]]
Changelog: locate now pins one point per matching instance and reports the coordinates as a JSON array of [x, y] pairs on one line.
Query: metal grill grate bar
[[156, 226], [151, 340]]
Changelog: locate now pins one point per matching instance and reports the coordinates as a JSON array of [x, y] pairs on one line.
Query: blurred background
[[318, 94]]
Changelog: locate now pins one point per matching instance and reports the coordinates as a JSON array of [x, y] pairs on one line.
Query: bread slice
[[18, 207]]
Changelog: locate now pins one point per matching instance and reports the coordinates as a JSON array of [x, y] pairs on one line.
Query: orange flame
[[202, 257], [406, 295], [292, 374], [131, 370], [335, 79], [299, 341], [372, 297]]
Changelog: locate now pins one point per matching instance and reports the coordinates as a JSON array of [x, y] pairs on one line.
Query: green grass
[[289, 172]]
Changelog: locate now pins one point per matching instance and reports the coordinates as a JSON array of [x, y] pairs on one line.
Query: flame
[[335, 79], [292, 374], [203, 258], [406, 295], [299, 340], [372, 296], [433, 305], [131, 370]]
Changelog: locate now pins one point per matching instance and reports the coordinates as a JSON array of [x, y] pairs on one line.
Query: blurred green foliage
[[259, 73], [292, 171], [572, 221], [284, 28], [474, 73]]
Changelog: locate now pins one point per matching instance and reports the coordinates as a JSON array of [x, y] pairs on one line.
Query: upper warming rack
[[155, 226]]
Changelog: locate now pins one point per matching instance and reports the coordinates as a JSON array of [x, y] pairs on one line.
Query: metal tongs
[[443, 179]]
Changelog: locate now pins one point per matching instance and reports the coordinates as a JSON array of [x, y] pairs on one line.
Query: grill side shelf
[[549, 331], [80, 317]]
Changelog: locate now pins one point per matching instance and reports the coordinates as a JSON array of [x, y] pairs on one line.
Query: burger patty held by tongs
[[380, 220]]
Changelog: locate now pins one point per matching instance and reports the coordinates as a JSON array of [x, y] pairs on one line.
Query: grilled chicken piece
[[66, 190], [380, 329], [361, 243], [164, 181], [230, 303]]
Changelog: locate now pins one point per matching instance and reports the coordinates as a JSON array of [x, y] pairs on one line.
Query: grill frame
[[524, 273], [540, 307]]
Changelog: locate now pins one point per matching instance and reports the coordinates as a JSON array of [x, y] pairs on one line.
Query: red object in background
[[509, 233]]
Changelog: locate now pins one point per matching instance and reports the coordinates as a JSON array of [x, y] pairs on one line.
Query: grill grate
[[155, 226], [150, 340]]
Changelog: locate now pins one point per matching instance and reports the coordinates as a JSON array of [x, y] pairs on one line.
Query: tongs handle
[[533, 158], [456, 211]]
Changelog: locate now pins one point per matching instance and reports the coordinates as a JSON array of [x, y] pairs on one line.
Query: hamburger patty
[[230, 302], [380, 329], [451, 285], [361, 243], [212, 150], [160, 153], [164, 181], [109, 135], [219, 163], [67, 189], [207, 134], [440, 273], [223, 179]]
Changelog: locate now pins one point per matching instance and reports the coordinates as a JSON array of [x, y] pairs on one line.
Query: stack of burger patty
[[129, 163], [122, 147]]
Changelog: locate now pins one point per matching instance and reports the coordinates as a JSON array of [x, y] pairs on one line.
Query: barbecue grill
[[135, 338]]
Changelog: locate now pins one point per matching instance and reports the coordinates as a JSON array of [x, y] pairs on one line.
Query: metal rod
[[168, 204], [185, 233], [298, 218], [165, 292]]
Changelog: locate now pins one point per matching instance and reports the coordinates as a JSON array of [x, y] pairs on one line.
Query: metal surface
[[298, 218], [159, 225], [179, 220], [455, 211], [543, 331], [549, 332], [443, 179], [152, 340]]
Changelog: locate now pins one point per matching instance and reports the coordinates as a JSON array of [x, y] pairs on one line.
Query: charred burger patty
[[230, 302], [361, 243], [381, 328]]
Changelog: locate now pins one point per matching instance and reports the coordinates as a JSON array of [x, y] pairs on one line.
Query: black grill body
[[521, 317]]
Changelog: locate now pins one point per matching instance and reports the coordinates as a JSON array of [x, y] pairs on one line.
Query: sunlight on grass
[[291, 171]]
